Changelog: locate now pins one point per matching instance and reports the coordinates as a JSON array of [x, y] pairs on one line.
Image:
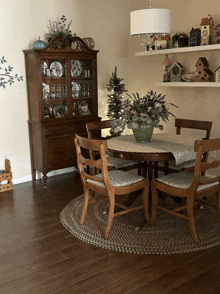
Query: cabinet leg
[[45, 181], [34, 174]]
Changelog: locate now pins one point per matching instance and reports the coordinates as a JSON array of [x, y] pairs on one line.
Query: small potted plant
[[143, 114]]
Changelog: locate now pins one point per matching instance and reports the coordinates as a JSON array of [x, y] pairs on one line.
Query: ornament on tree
[[115, 107]]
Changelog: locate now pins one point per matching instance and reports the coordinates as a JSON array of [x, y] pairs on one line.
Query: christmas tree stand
[[6, 175]]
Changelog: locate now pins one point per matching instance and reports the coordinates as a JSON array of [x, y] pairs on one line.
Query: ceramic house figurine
[[204, 73], [166, 69], [195, 37], [161, 42], [206, 28], [217, 34], [180, 40], [217, 75], [176, 72]]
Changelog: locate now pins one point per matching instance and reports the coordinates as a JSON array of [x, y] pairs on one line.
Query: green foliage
[[117, 88], [6, 77], [150, 109]]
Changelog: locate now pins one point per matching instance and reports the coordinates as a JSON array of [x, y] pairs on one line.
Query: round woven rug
[[169, 235]]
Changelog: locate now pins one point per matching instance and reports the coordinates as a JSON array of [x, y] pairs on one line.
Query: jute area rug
[[169, 235]]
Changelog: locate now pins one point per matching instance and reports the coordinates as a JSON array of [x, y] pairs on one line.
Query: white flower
[[134, 125], [149, 121]]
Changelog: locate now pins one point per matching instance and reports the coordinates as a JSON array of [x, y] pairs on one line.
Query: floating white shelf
[[189, 84], [180, 50]]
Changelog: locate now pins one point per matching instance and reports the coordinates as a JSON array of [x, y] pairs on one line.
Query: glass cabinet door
[[55, 90], [82, 87]]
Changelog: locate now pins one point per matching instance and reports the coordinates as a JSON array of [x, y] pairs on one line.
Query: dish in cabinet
[[47, 110], [56, 69], [60, 110], [46, 91], [75, 89], [83, 108], [44, 68], [76, 68]]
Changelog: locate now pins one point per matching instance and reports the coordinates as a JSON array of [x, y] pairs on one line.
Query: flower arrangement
[[59, 27], [149, 109]]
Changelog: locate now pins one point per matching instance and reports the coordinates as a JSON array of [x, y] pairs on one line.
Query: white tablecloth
[[181, 146]]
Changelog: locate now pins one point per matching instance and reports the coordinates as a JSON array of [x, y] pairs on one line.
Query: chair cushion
[[119, 163], [179, 167], [119, 178], [183, 180]]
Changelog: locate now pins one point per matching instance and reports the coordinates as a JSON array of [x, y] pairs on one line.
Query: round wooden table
[[163, 147]]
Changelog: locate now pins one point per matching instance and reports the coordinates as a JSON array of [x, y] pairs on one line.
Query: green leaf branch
[[6, 76]]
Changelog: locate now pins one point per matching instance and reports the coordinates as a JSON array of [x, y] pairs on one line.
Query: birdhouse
[[161, 42], [204, 73], [176, 72], [217, 34], [195, 37], [217, 75], [180, 40], [206, 28], [166, 69]]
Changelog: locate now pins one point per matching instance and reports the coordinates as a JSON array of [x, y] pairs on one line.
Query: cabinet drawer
[[64, 129], [60, 152]]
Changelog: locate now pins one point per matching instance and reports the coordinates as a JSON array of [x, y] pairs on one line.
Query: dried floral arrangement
[[59, 27], [149, 109]]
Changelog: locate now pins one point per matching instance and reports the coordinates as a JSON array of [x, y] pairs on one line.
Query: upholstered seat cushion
[[183, 180], [119, 163], [179, 167], [119, 178]]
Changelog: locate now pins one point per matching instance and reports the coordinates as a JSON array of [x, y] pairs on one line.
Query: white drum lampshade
[[150, 22]]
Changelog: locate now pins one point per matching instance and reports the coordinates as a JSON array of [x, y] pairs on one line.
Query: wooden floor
[[39, 256]]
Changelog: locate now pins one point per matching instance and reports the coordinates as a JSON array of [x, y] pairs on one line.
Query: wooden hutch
[[62, 97]]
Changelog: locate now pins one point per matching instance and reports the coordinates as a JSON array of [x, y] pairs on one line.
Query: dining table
[[163, 147]]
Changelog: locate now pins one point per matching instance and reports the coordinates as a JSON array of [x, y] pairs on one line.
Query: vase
[[144, 132]]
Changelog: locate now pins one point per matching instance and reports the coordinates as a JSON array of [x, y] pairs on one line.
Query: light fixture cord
[[150, 4]]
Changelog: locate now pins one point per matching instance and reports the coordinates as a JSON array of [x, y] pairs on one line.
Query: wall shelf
[[180, 50], [189, 84]]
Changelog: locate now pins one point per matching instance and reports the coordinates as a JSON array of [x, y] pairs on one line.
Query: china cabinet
[[62, 98]]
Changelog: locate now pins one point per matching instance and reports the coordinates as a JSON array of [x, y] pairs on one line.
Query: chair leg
[[191, 219], [85, 205], [154, 192], [218, 204], [145, 195], [111, 209]]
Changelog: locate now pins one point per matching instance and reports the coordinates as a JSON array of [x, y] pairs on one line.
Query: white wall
[[21, 23], [107, 21]]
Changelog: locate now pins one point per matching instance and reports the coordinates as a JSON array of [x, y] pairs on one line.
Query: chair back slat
[[92, 145], [193, 124], [100, 125], [202, 146]]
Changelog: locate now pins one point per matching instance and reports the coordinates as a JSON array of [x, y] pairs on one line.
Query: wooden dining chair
[[171, 167], [94, 129], [107, 183], [191, 186]]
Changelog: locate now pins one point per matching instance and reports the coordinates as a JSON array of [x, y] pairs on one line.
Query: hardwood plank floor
[[39, 256]]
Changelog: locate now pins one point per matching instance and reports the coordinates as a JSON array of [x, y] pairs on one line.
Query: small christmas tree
[[117, 88]]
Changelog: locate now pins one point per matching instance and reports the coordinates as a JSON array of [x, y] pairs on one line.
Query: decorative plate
[[60, 110], [76, 68], [89, 42], [56, 69], [75, 89], [47, 109], [83, 108], [44, 67]]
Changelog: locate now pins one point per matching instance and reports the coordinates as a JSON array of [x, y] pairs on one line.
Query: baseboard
[[39, 175]]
